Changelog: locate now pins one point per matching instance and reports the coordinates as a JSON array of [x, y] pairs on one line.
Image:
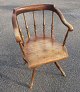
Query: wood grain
[[43, 50]]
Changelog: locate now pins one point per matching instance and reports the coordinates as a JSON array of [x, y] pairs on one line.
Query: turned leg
[[59, 67], [32, 79]]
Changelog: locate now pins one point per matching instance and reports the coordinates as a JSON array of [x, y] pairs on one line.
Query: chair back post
[[26, 26], [52, 25], [34, 24], [21, 47], [22, 37], [43, 24]]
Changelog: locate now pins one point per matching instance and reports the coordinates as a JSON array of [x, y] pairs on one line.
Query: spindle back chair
[[40, 49]]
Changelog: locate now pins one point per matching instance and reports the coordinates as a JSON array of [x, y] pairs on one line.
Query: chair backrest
[[33, 8]]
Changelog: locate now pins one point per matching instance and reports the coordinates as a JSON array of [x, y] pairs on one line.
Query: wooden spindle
[[34, 23], [22, 37], [43, 24], [52, 25], [21, 46], [65, 38], [26, 26]]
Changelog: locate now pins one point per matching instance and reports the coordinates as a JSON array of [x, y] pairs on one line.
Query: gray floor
[[15, 76]]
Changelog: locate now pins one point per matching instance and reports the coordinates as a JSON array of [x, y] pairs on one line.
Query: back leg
[[60, 68]]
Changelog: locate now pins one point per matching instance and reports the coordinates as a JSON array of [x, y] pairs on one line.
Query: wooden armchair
[[40, 49]]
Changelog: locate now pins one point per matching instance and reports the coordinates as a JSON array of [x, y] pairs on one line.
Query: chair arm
[[70, 27], [17, 35], [15, 28]]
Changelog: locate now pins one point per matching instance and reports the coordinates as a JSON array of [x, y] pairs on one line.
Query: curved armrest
[[15, 28], [70, 27], [17, 35]]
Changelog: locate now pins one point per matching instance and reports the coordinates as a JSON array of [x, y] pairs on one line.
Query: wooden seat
[[43, 50], [39, 49]]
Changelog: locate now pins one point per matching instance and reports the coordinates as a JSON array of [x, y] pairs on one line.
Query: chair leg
[[32, 79], [59, 67]]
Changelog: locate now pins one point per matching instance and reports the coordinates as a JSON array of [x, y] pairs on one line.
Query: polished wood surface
[[43, 50], [40, 50]]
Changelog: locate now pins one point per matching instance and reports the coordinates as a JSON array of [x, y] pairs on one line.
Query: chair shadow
[[15, 81]]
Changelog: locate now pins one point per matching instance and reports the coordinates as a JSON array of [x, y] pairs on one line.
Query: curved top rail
[[24, 9]]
